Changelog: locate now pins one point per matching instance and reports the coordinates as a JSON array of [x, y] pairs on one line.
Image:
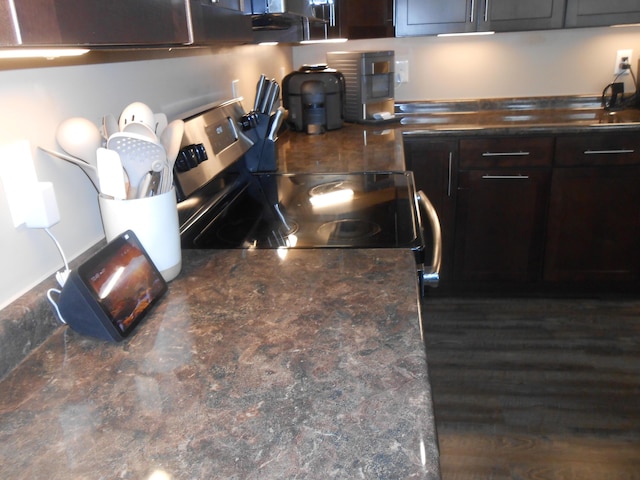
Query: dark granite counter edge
[[519, 130], [29, 320]]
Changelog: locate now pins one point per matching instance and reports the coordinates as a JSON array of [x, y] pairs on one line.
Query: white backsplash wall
[[539, 63], [36, 96]]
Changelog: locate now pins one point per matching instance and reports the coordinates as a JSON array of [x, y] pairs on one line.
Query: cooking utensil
[[89, 170], [109, 126], [111, 174], [80, 138], [150, 185], [139, 155], [137, 112], [171, 139], [161, 123]]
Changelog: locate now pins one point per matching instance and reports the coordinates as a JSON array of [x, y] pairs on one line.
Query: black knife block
[[262, 156]]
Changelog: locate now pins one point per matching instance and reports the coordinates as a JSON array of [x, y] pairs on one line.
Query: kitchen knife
[[274, 125], [259, 92], [274, 93], [267, 96], [111, 174]]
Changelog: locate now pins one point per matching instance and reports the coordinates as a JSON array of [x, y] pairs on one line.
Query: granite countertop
[[378, 146], [252, 366], [552, 115]]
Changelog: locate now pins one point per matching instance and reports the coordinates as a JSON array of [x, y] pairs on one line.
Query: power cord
[[618, 89], [61, 277]]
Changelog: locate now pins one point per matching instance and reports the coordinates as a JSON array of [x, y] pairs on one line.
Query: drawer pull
[[505, 154], [608, 152], [505, 177]]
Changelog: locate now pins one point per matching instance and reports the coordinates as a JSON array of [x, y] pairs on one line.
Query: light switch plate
[[402, 71]]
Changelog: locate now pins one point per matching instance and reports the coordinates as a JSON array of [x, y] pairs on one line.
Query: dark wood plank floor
[[535, 388]]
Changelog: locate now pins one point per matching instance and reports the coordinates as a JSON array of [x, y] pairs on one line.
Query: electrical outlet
[[235, 88], [622, 57]]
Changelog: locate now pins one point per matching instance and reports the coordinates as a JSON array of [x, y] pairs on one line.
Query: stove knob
[[200, 153], [186, 159]]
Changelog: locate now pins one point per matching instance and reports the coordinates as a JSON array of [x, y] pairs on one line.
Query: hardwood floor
[[535, 388]]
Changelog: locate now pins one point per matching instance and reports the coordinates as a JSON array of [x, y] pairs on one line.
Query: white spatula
[[111, 174]]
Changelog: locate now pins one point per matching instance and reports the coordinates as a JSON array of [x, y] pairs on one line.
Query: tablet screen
[[124, 281]]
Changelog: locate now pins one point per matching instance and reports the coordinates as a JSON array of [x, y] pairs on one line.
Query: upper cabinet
[[121, 23], [365, 19], [219, 21], [95, 23], [595, 13], [517, 15], [432, 17], [420, 17], [353, 19]]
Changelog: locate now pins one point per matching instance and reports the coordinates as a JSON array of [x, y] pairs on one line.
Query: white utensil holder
[[155, 222]]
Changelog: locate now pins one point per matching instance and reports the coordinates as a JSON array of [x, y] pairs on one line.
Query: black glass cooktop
[[310, 210]]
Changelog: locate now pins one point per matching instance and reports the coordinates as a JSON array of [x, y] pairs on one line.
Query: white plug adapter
[[43, 208]]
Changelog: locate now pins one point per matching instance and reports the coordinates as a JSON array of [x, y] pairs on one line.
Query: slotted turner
[[139, 155]]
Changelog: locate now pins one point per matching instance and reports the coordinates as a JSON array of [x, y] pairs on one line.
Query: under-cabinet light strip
[[41, 52]]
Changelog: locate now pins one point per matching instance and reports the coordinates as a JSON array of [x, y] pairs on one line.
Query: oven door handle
[[430, 275]]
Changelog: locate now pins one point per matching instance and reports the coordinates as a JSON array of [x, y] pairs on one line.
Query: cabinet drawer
[[600, 149], [506, 152]]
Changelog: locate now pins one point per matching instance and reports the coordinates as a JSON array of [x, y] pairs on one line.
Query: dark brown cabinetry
[[518, 15], [97, 23], [594, 216], [594, 13], [534, 213], [434, 165], [420, 17], [503, 187], [354, 19], [123, 23], [366, 19]]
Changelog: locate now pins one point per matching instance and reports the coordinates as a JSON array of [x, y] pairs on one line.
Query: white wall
[[36, 96], [540, 63]]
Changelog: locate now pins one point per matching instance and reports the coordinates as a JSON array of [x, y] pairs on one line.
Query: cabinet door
[[594, 13], [366, 19], [95, 22], [515, 15], [430, 17], [220, 22], [433, 162], [500, 224], [594, 225]]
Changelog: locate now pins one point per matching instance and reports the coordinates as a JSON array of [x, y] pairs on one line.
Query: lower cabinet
[[500, 224], [503, 187], [593, 233], [594, 225], [542, 213]]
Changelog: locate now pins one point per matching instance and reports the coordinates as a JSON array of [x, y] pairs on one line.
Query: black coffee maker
[[313, 95]]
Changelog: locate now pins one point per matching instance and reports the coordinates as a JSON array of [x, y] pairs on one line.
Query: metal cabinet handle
[[608, 152], [506, 177], [506, 154], [450, 175], [486, 10], [472, 15], [431, 274]]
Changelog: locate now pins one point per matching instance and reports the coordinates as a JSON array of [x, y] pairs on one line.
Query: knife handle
[[259, 92]]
